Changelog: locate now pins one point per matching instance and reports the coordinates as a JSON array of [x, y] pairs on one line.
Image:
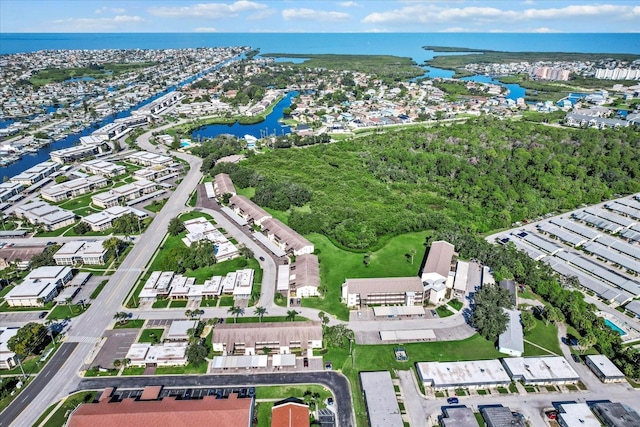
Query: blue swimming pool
[[615, 327]]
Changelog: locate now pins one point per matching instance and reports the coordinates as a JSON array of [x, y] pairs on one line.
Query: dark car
[[329, 401], [576, 358], [261, 258], [305, 362], [43, 315], [452, 400]]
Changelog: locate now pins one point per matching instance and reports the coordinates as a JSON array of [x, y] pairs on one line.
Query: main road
[[88, 330]]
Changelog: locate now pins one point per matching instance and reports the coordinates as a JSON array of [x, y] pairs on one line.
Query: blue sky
[[319, 16]]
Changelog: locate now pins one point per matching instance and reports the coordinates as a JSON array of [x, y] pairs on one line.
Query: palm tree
[[260, 312], [412, 252], [236, 311], [68, 302], [188, 313], [48, 324], [291, 315]]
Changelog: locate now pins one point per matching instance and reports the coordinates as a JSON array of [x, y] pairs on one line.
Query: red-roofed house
[[290, 413], [231, 412]]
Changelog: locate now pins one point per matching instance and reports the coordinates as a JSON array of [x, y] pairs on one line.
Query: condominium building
[[71, 154], [383, 291], [128, 192], [103, 167], [39, 287], [9, 189], [81, 252], [43, 214], [35, 173], [222, 185], [149, 159], [74, 188], [102, 221], [278, 337]]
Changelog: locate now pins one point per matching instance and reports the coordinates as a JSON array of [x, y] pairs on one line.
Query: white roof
[[455, 374], [179, 329], [513, 337], [408, 335], [411, 310], [577, 414], [283, 277], [380, 397], [48, 272], [284, 360], [5, 335], [605, 366], [538, 369], [231, 362]]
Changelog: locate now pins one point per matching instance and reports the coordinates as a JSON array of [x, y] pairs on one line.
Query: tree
[[117, 363], [120, 316], [236, 311], [412, 252], [587, 341], [266, 350], [260, 312], [528, 320], [488, 316], [334, 336], [291, 315], [188, 313], [68, 302], [113, 245], [28, 340], [196, 353], [323, 318], [246, 252], [553, 314], [175, 226], [81, 228]]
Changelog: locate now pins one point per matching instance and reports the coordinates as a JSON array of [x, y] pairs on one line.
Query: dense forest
[[485, 174]]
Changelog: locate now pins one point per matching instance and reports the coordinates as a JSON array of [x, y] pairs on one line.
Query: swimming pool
[[615, 327]]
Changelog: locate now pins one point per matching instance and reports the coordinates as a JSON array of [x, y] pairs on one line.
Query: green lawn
[[132, 370], [182, 370], [161, 303], [282, 392], [248, 192], [195, 214], [4, 307], [193, 200], [60, 416], [263, 414], [152, 335], [64, 311], [224, 267], [265, 319], [337, 264], [130, 324], [98, 289], [213, 302], [443, 311], [156, 205], [5, 290], [178, 303], [544, 336], [455, 304], [226, 301]]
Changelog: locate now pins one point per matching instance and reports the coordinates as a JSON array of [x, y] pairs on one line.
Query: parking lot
[[191, 393], [116, 346]]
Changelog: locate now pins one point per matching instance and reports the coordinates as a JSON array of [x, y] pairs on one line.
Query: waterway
[[270, 126], [32, 159]]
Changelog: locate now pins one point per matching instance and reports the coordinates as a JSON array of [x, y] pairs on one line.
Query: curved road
[[337, 383]]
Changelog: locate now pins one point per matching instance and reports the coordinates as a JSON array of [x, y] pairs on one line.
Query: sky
[[423, 16]]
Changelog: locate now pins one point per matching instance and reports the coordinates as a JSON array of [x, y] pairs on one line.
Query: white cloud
[[421, 13], [105, 9], [208, 10], [545, 30], [261, 14], [99, 24], [204, 30], [348, 4], [314, 15]]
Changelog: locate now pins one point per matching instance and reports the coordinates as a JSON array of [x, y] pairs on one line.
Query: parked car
[[552, 415], [576, 358], [261, 258], [329, 401], [452, 400], [42, 315]]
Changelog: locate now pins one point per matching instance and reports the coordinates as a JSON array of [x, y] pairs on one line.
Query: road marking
[[88, 340]]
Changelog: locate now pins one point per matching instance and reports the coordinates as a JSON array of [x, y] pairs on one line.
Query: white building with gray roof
[[380, 399]]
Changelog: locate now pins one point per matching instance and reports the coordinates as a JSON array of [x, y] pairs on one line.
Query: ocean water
[[400, 44]]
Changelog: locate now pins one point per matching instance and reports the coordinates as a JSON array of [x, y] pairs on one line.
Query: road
[[337, 383], [99, 316], [32, 392]]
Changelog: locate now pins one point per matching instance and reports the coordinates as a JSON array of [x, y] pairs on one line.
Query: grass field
[[265, 319], [130, 324], [60, 416], [64, 311], [98, 289], [544, 336], [152, 335], [337, 264]]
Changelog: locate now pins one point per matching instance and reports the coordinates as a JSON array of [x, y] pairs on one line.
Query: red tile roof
[[290, 415], [232, 412]]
